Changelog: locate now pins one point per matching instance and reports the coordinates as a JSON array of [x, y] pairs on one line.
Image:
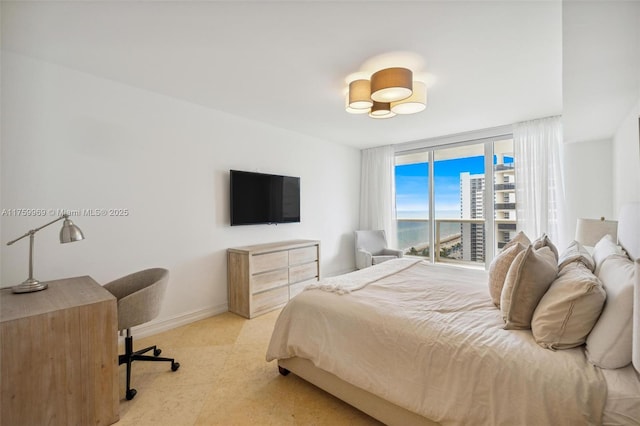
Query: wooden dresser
[[264, 277], [59, 355]]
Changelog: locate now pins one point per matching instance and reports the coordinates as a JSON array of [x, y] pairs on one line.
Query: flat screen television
[[258, 198]]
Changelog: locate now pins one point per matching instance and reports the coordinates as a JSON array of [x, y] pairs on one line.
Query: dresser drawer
[[269, 261], [303, 255], [295, 289], [268, 280], [263, 277], [303, 272], [269, 300]]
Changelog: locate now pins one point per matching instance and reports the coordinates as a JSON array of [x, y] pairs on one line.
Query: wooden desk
[[59, 361]]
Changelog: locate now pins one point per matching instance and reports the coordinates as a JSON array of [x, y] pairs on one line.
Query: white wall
[[74, 141], [600, 66], [588, 181], [600, 86], [626, 160]]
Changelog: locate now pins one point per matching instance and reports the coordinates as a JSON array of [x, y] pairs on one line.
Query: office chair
[[139, 297], [371, 249]]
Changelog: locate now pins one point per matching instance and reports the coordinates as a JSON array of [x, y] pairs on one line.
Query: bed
[[412, 343]]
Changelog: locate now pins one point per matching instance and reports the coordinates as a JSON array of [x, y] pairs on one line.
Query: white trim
[[464, 138], [155, 327], [489, 205]]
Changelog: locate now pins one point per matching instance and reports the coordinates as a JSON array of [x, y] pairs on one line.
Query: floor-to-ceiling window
[[445, 199], [412, 203]]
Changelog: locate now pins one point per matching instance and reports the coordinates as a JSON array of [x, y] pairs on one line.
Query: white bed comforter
[[429, 339]]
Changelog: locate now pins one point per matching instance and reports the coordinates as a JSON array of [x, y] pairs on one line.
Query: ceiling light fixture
[[360, 94], [391, 84], [414, 103], [390, 91], [381, 110]]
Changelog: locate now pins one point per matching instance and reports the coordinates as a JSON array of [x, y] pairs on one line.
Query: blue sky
[[412, 186]]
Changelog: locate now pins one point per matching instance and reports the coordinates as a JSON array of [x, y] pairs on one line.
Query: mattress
[[623, 397], [427, 338]]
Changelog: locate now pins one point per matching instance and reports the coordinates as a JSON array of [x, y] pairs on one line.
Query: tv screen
[[262, 198]]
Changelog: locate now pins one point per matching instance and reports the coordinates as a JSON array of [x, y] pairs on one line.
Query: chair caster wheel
[[131, 393], [175, 366], [157, 352]]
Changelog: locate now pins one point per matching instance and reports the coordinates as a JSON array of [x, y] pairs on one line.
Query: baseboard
[[341, 272], [155, 327]]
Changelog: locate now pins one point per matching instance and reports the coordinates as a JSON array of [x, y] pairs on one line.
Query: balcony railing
[[448, 243], [505, 186], [505, 206], [503, 167]]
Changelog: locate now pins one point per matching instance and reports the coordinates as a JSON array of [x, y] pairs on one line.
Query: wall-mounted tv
[[258, 198]]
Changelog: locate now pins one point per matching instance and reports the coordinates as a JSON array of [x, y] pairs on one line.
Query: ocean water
[[416, 233]]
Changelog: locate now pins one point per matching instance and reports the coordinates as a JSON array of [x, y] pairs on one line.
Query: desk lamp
[[69, 233]]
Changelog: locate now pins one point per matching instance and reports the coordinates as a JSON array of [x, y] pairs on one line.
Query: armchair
[[371, 249]]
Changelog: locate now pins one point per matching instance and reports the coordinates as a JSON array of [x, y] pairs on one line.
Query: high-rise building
[[505, 199], [472, 207]]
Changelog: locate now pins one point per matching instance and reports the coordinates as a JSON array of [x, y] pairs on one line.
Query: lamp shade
[[381, 110], [360, 94], [391, 84], [70, 232], [590, 231], [414, 103], [353, 110]]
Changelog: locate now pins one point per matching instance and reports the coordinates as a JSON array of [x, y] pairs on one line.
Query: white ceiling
[[285, 63]]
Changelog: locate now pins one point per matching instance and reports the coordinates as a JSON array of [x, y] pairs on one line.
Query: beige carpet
[[224, 380]]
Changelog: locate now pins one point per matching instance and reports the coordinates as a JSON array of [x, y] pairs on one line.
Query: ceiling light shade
[[414, 103], [381, 110], [391, 84], [353, 110], [360, 94]]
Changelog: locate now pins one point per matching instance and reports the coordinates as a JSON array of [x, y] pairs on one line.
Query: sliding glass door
[[459, 184], [445, 199], [412, 203]]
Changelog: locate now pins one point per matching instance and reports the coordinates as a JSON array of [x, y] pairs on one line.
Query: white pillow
[[603, 249], [569, 309], [610, 342]]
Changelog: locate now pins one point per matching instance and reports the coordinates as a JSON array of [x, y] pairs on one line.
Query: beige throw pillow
[[521, 238], [576, 252], [569, 309], [544, 241], [529, 277], [499, 268], [610, 343]]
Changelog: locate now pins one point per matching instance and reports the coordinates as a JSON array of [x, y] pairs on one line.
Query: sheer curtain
[[377, 191], [539, 182]]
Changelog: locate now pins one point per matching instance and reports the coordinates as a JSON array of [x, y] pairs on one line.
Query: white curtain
[[377, 191], [539, 182]]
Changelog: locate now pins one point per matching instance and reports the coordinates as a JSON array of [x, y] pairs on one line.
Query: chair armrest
[[363, 259], [393, 252]]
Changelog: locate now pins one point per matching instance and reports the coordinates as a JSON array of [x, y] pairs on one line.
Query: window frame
[[486, 137]]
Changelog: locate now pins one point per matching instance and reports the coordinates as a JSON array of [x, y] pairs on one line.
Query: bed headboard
[[629, 229], [629, 239]]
